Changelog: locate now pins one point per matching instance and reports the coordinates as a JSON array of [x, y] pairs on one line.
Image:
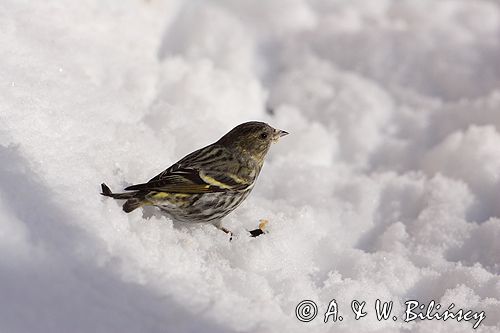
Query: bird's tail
[[106, 191], [133, 199]]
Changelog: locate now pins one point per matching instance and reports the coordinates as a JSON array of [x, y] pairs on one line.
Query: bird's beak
[[282, 133], [278, 134]]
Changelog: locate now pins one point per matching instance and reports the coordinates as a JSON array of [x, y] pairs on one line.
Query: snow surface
[[386, 188]]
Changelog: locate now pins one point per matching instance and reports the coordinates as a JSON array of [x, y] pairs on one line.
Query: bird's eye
[[263, 136]]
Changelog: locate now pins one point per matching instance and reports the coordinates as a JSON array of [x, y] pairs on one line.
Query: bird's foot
[[261, 230], [229, 232]]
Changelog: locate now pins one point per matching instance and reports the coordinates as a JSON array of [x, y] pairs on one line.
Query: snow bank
[[386, 189]]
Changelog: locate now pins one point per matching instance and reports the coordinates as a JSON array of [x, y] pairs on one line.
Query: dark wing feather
[[203, 171], [181, 181]]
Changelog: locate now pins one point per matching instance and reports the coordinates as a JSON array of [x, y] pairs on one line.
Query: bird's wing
[[203, 171], [192, 181]]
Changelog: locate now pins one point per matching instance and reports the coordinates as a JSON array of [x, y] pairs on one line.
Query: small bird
[[209, 183]]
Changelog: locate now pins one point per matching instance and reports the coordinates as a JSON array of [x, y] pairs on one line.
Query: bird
[[209, 183]]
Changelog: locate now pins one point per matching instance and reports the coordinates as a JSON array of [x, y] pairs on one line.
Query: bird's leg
[[260, 230], [229, 232]]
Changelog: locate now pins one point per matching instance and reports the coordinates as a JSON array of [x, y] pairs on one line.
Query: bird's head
[[253, 138]]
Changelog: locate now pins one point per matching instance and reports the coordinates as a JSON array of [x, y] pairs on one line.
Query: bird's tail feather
[[133, 200], [107, 192]]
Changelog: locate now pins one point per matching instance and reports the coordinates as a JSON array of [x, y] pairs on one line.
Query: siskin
[[209, 183]]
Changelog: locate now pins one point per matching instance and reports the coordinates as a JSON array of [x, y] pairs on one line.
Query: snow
[[387, 187]]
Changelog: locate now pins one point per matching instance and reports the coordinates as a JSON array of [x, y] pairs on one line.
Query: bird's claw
[[229, 232]]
